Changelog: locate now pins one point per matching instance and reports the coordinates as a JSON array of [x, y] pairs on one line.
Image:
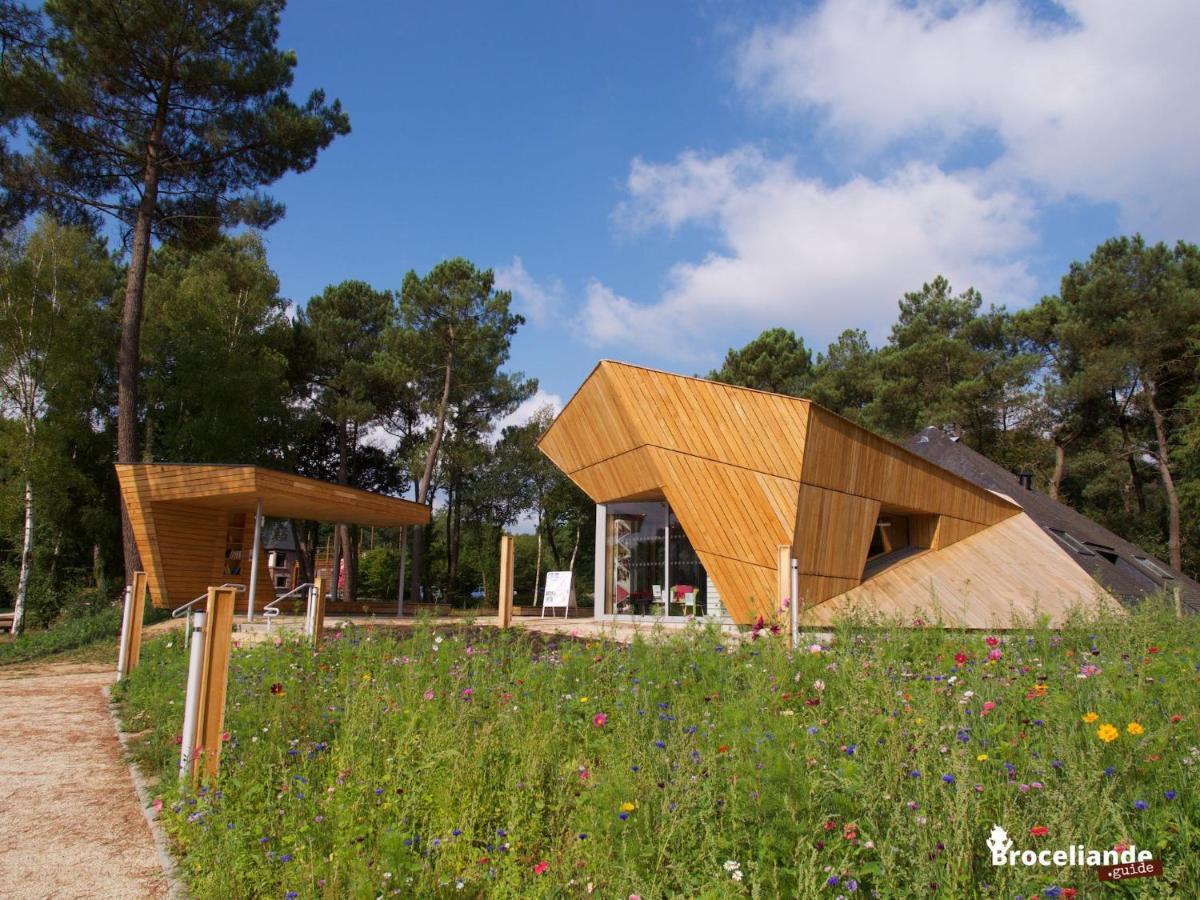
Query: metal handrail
[[292, 593], [187, 607]]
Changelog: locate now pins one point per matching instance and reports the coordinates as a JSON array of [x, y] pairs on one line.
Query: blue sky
[[657, 182]]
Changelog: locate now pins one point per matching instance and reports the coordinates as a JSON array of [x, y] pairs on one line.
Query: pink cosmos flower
[[992, 641], [541, 867], [996, 654], [600, 720], [158, 804], [988, 706], [428, 695]]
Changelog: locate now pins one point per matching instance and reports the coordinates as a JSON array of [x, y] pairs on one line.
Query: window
[[890, 535], [1071, 542], [1151, 566], [1107, 552]]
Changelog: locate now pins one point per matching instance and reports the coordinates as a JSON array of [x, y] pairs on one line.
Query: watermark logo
[[1111, 865]]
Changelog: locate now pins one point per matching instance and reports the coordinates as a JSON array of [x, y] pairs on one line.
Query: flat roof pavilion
[[194, 524]]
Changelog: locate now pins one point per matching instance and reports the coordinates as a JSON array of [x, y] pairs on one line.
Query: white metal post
[[403, 559], [191, 701], [795, 603], [126, 631], [258, 517], [310, 614]]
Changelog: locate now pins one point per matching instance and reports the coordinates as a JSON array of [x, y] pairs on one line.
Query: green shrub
[[70, 633]]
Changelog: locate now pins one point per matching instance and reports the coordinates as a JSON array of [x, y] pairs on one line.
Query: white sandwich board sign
[[559, 592]]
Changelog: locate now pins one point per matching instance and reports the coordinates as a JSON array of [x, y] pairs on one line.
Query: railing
[[271, 610], [186, 609]]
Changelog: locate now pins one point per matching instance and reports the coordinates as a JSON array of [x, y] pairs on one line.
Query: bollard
[[191, 703], [123, 650]]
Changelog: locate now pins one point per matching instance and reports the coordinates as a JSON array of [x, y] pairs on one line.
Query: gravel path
[[71, 824]]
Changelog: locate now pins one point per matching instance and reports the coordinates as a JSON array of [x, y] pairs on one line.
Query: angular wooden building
[[195, 525], [698, 484]]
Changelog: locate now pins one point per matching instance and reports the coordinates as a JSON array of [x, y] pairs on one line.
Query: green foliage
[[775, 361], [72, 632], [203, 88], [438, 761], [215, 313]]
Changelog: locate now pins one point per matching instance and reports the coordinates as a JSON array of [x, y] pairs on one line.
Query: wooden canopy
[[194, 524], [746, 471]]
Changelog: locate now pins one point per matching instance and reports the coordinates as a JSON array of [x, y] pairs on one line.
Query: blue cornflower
[[914, 774], [963, 735], [949, 779], [1139, 804], [623, 816], [1110, 771], [1170, 795], [851, 885], [833, 881], [660, 744], [1052, 891]]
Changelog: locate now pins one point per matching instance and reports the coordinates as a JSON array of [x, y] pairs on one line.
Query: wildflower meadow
[[873, 761]]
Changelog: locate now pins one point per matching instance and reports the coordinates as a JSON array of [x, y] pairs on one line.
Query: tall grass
[[73, 632], [485, 763]]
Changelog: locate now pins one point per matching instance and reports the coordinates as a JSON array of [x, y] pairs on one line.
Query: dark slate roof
[[277, 535], [1111, 560]]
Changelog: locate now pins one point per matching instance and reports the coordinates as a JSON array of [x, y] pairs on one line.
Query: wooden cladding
[[745, 471], [194, 524]]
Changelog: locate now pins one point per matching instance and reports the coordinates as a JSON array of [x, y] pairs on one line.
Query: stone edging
[[170, 869]]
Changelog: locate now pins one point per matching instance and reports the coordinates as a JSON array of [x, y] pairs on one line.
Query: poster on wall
[[559, 593]]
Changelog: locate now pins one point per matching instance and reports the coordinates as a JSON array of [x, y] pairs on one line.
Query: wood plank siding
[[746, 471], [194, 524]]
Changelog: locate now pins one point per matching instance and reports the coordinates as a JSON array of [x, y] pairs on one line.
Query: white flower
[[814, 648], [731, 865], [737, 876], [818, 685]]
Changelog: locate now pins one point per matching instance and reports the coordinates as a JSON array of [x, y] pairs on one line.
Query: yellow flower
[[1106, 733], [1040, 689], [1090, 717], [920, 721], [583, 699], [982, 757], [1135, 728], [366, 676], [628, 807]]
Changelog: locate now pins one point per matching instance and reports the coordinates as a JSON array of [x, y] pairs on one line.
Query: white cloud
[[525, 411], [1098, 104], [538, 302], [802, 253]]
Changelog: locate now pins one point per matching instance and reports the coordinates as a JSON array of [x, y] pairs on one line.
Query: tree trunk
[[418, 560], [1060, 467], [400, 587], [129, 352], [575, 549], [26, 564], [553, 547], [335, 568], [1174, 538], [537, 566], [306, 573]]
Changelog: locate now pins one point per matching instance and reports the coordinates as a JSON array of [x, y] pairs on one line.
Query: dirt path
[[71, 824]]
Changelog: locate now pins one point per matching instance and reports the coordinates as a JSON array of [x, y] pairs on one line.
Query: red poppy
[[541, 867], [277, 688], [724, 748], [1068, 893], [1039, 831]]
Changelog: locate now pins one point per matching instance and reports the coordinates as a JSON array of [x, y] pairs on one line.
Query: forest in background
[[140, 320]]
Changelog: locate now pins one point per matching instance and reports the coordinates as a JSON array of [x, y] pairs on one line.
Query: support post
[[783, 576], [131, 626], [504, 594], [1178, 601], [214, 679], [191, 702], [254, 554], [318, 623]]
